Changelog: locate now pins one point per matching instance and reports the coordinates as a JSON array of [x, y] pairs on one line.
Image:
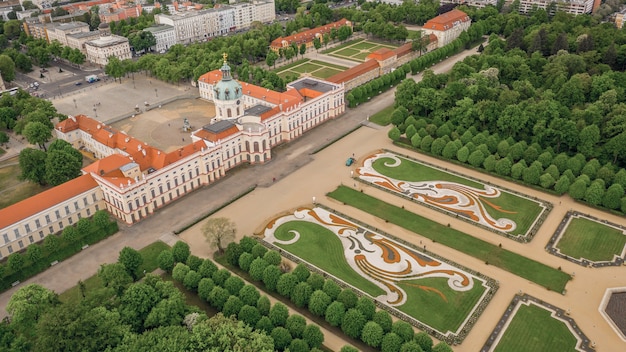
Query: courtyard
[[357, 50], [307, 67]]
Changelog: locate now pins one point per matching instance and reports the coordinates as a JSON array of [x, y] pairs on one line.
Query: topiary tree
[[279, 314], [476, 158], [249, 295], [272, 257], [295, 324], [595, 192], [411, 346], [263, 304], [264, 324], [394, 134], [503, 167], [51, 243], [442, 347], [256, 269], [353, 322], [562, 185], [546, 181], [259, 251], [247, 243], [249, 315], [332, 289], [372, 334], [245, 260], [334, 313], [233, 284], [391, 343], [207, 268], [193, 262], [232, 253], [424, 341], [348, 298], [403, 329], [319, 302], [313, 336], [366, 306], [531, 175], [218, 297], [282, 338], [180, 271], [286, 284], [301, 294], [181, 251], [192, 280], [383, 319], [271, 275], [316, 281], [205, 286], [220, 276], [450, 150], [232, 306], [611, 198], [301, 272], [298, 345], [577, 189], [348, 348]]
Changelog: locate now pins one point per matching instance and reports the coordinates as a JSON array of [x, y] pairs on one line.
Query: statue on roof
[[225, 56]]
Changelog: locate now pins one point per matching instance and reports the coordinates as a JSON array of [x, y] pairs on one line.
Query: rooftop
[[257, 110]]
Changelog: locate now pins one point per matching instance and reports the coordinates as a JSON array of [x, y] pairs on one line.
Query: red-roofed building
[[307, 37], [448, 26], [46, 213]]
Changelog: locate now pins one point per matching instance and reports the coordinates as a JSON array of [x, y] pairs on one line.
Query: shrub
[[247, 243], [301, 272], [233, 284], [383, 319], [295, 324], [348, 348], [286, 284], [194, 262], [352, 323], [332, 289], [425, 342], [34, 252], [335, 313], [258, 250], [16, 261], [348, 298], [166, 261], [69, 235], [264, 324], [313, 336], [282, 338], [318, 302], [298, 345], [316, 281], [51, 243], [366, 306], [233, 251], [279, 314], [411, 346], [179, 272], [232, 306], [207, 268], [181, 251], [442, 347], [218, 297], [220, 276], [391, 343], [403, 329], [249, 295], [264, 305], [191, 280], [300, 294], [249, 315], [271, 275], [205, 286], [256, 269], [372, 334], [245, 260], [272, 257]]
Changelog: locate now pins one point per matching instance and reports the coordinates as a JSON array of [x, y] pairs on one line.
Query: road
[[285, 161]]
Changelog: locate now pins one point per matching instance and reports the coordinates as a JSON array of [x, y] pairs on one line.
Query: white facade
[[165, 36], [447, 27], [60, 31], [99, 50], [473, 3], [575, 7]]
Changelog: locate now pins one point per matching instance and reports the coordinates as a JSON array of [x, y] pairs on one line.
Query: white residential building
[[99, 50], [60, 31], [164, 34], [575, 7], [448, 26]]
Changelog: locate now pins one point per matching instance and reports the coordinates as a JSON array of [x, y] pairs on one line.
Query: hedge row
[[230, 295], [37, 257], [357, 317]]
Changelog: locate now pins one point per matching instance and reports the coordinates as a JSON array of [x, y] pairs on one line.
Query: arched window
[[229, 113], [256, 147]]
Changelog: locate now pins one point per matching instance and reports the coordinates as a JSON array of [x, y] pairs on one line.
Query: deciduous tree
[[219, 231]]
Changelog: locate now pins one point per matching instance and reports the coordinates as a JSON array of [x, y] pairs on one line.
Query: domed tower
[[104, 30], [227, 95]]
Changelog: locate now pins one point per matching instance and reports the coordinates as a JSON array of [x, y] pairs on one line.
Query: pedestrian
[[273, 179], [183, 139]]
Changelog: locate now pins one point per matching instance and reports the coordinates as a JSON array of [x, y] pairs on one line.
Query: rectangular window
[[88, 212], [31, 239], [67, 210], [85, 201], [41, 235], [27, 227], [47, 221], [76, 206], [70, 220], [97, 207], [10, 249], [58, 214], [93, 197], [5, 237], [79, 216], [21, 244], [16, 232]]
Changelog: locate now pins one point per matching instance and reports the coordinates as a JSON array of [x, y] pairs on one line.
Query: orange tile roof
[[308, 35], [381, 54], [446, 21], [354, 72], [108, 164], [45, 200], [406, 48]]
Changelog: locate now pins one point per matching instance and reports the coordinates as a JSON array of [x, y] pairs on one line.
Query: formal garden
[[357, 50], [498, 210], [533, 325], [314, 68], [591, 239], [541, 274], [393, 273]]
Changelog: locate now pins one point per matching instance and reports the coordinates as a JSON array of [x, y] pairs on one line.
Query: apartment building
[[575, 7], [108, 45], [448, 26], [60, 31], [164, 34]]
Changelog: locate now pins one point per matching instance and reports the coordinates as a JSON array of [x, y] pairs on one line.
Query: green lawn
[[383, 117], [13, 189], [326, 72], [360, 56], [521, 210], [591, 240], [307, 67], [346, 52], [293, 64], [320, 247], [519, 265], [339, 47], [364, 45], [149, 253], [322, 63], [533, 329]]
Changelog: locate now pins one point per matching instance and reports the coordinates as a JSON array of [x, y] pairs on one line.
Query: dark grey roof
[[219, 126], [257, 110], [312, 84]]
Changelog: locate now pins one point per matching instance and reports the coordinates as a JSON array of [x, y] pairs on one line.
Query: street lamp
[[156, 92], [95, 111], [76, 106]]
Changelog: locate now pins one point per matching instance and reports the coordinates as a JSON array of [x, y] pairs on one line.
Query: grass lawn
[[327, 64], [364, 45], [339, 47], [514, 263], [306, 67], [591, 240], [320, 247], [346, 52], [521, 210], [326, 72], [360, 56], [383, 117], [533, 329], [12, 189], [150, 253], [293, 64]]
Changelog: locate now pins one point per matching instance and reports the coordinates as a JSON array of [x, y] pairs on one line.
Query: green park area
[[313, 68], [522, 211], [383, 117], [357, 50], [591, 240], [430, 300], [514, 263], [534, 329], [13, 188]]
